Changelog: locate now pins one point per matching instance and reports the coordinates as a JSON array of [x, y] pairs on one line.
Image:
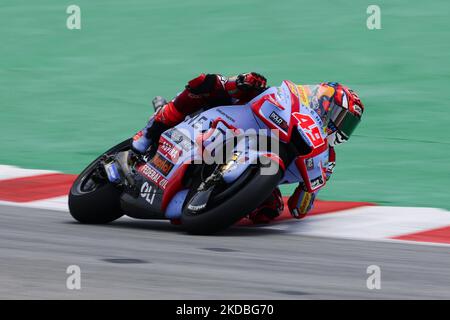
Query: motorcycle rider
[[339, 107]]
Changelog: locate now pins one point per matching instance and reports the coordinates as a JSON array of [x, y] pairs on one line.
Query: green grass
[[67, 95]]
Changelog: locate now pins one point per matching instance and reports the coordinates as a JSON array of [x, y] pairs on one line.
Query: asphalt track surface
[[132, 259]]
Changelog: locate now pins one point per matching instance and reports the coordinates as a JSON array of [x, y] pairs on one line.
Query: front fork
[[120, 172], [201, 198]]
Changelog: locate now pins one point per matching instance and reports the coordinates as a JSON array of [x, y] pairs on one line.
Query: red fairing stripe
[[301, 166], [276, 158], [295, 98], [256, 108], [204, 136], [173, 185]]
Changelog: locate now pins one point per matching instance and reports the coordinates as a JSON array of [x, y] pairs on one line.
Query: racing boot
[[149, 136], [166, 117], [271, 208], [158, 102]]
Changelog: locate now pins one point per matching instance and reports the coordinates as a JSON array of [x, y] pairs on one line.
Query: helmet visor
[[344, 120]]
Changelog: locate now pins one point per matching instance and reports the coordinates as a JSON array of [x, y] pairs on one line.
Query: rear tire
[[230, 211], [101, 205]]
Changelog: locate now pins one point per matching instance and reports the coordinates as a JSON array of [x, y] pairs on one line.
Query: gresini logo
[[153, 175]]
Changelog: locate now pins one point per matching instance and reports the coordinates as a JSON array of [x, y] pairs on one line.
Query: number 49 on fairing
[[310, 128]]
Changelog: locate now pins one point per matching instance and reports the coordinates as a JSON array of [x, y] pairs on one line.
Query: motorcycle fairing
[[175, 206], [205, 128], [312, 165], [179, 146], [312, 168], [285, 108], [309, 169], [274, 108]]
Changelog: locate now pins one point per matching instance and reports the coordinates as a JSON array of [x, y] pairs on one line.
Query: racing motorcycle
[[208, 196]]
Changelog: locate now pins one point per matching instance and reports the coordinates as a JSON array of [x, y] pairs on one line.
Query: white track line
[[57, 204], [11, 172], [374, 222]]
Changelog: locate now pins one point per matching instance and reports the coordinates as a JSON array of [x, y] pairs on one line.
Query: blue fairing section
[[314, 167], [231, 175], [292, 174], [175, 206]]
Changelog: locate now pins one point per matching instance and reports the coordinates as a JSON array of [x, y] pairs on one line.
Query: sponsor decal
[[292, 88], [169, 150], [316, 105], [153, 175], [310, 129], [317, 182], [194, 96], [303, 95], [281, 96], [317, 118], [161, 164], [309, 163], [330, 167], [148, 192], [196, 208], [180, 139], [305, 203], [278, 120], [225, 115]]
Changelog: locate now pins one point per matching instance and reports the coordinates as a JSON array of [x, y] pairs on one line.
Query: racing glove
[[301, 202], [251, 81]]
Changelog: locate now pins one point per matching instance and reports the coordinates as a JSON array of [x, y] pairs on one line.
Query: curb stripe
[[12, 172], [34, 188], [439, 235], [320, 207]]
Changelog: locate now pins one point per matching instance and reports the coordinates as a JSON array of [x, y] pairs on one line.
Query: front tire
[[234, 208], [101, 204]]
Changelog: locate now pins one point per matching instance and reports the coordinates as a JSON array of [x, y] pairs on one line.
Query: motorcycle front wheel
[[230, 210]]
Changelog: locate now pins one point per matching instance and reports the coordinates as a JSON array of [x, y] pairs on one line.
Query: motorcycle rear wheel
[[96, 202]]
